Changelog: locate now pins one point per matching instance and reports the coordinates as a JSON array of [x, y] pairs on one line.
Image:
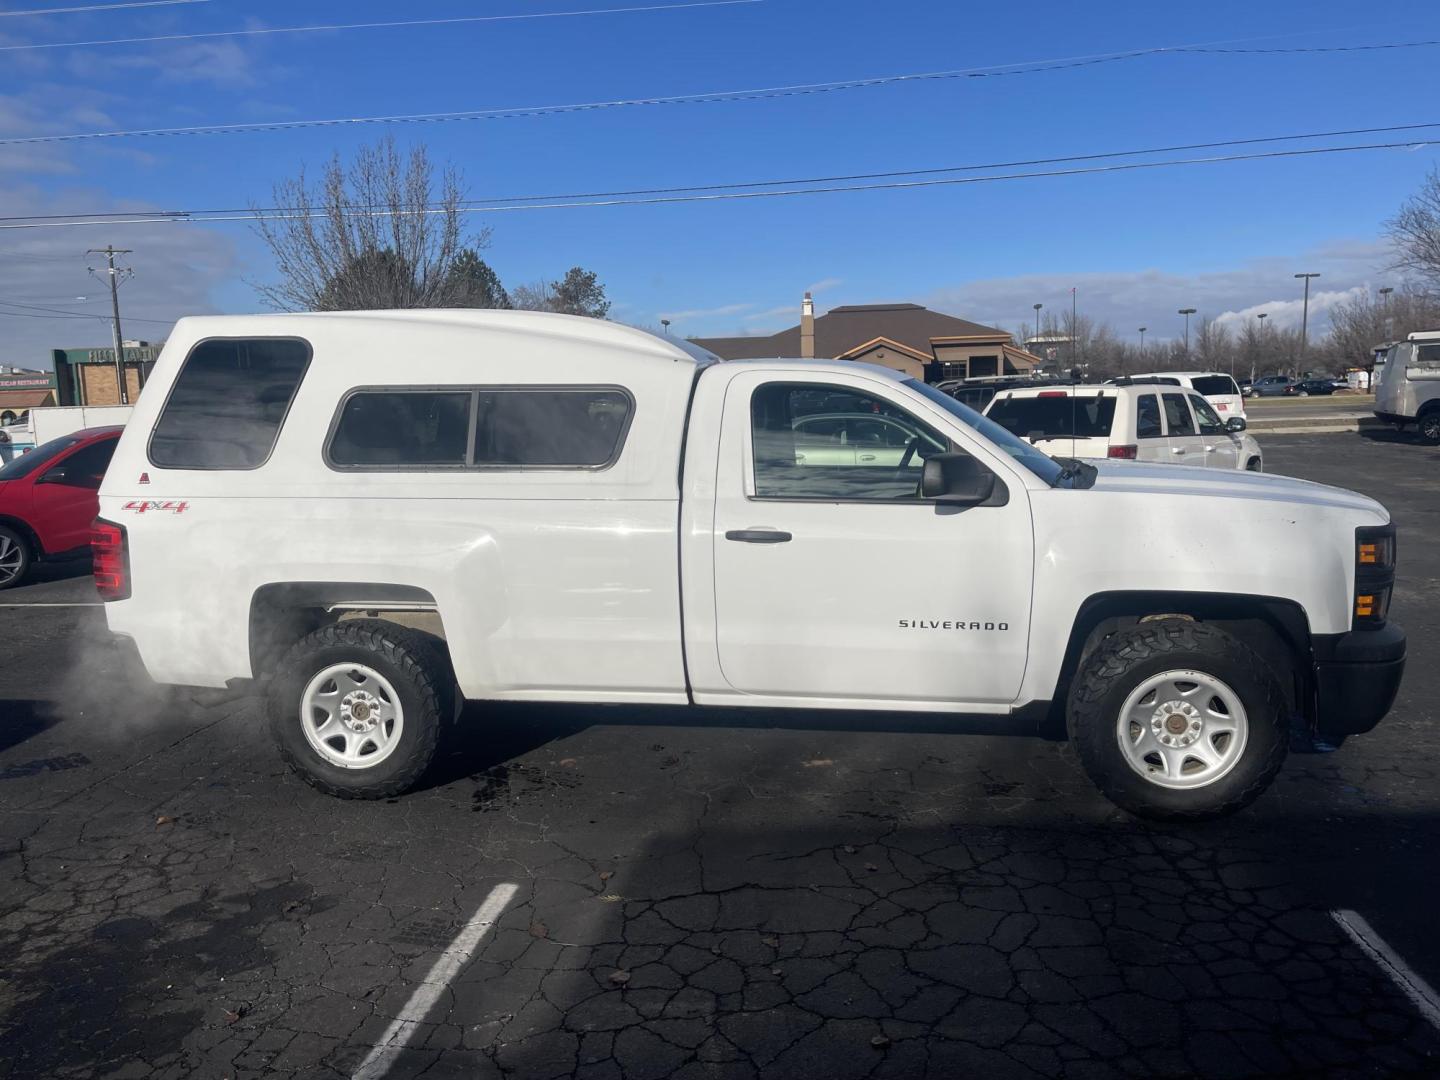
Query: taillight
[[1127, 453], [1052, 393], [111, 560]]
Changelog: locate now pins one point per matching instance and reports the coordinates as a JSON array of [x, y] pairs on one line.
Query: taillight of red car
[[111, 559]]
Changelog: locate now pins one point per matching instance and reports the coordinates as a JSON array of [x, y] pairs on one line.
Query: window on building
[[562, 428], [228, 402], [402, 428], [820, 442], [1177, 415]]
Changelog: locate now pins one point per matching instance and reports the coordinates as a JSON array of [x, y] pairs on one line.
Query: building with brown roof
[[923, 344]]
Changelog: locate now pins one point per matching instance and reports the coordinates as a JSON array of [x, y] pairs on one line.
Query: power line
[[270, 31], [794, 181], [712, 97], [196, 217], [100, 7]]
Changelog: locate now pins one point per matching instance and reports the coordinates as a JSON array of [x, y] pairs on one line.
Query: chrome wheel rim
[[12, 558], [351, 716], [1182, 729], [1430, 428]]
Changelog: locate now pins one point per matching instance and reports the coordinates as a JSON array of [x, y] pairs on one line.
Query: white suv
[[1219, 389], [1149, 422]]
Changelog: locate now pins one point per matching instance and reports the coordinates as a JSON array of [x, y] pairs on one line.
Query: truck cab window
[[1177, 415], [1208, 418], [820, 442]]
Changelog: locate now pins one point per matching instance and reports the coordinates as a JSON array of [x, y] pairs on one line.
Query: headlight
[[1374, 575]]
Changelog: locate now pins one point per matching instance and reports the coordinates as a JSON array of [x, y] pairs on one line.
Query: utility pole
[[1187, 312], [115, 276], [1304, 322]]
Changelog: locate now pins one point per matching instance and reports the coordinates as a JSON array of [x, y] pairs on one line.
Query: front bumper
[[1356, 678]]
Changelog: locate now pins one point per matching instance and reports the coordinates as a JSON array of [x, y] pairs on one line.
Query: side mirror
[[956, 479], [1235, 423]]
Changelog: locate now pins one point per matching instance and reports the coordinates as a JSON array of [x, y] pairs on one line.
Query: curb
[[1318, 428]]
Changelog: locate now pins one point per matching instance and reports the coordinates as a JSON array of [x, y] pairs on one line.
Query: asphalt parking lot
[[704, 895]]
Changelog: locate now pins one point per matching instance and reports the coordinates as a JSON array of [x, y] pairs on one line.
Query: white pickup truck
[[593, 513]]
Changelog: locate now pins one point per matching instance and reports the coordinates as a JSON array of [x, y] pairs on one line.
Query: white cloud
[[176, 268], [704, 313], [1152, 298], [823, 284]]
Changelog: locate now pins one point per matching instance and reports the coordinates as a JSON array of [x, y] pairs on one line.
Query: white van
[[1407, 384], [1219, 389]]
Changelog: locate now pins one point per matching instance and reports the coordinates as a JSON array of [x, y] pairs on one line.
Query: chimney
[[807, 328]]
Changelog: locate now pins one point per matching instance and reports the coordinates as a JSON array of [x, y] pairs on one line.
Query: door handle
[[867, 457], [758, 536], [1177, 450]]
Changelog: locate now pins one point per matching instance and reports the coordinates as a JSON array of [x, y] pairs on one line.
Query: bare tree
[[579, 292], [1415, 232], [380, 232]]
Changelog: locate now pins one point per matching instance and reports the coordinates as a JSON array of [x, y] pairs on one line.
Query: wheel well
[[283, 612], [37, 551], [1275, 628], [1433, 405]]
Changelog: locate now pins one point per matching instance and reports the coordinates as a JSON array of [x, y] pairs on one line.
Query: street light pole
[[1262, 317], [1142, 341], [1187, 312], [1385, 311], [1304, 321], [1037, 308]]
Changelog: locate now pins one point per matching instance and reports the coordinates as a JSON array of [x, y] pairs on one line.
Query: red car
[[48, 499]]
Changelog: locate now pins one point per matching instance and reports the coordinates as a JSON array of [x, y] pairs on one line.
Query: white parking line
[[377, 1063], [1388, 960], [91, 603]]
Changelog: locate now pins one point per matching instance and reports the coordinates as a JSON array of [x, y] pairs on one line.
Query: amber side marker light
[[1364, 606]]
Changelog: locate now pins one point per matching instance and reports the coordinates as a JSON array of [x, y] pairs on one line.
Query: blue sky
[[1222, 238]]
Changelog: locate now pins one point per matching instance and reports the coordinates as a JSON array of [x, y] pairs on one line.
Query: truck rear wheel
[[356, 708], [1429, 427], [1177, 720]]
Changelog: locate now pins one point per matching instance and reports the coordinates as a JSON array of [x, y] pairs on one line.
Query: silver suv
[[1149, 422]]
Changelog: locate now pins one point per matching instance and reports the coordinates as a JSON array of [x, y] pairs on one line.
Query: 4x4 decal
[[140, 506]]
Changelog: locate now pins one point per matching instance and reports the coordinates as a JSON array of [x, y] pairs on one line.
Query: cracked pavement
[[702, 894]]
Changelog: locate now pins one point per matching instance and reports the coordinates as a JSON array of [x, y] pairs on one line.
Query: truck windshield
[[1041, 464], [25, 464]]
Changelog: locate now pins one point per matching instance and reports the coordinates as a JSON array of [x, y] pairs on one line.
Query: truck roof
[[577, 328]]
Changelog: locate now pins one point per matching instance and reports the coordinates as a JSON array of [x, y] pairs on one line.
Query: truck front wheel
[[1177, 720], [356, 708]]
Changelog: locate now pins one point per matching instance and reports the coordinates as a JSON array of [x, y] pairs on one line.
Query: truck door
[[837, 582], [1186, 445], [1222, 450]]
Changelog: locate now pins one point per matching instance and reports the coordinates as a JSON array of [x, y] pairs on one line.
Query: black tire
[[415, 667], [1253, 465], [1428, 427], [16, 558], [1126, 659]]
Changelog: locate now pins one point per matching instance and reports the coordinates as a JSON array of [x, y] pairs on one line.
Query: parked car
[[48, 498], [1219, 389], [1149, 422], [592, 513], [1310, 388], [1407, 384], [1271, 386]]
